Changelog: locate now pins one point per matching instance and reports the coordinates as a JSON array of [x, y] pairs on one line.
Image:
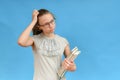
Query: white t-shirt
[[48, 56]]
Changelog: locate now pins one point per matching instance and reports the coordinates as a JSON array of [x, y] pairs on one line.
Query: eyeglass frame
[[48, 23]]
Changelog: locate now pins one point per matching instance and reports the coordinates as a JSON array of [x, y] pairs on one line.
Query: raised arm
[[25, 39]]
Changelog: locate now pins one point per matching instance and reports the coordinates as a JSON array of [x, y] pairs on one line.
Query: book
[[74, 53]]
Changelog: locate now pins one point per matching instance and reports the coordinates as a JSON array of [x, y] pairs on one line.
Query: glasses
[[48, 23]]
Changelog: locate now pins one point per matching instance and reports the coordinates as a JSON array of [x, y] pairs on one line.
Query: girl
[[47, 46]]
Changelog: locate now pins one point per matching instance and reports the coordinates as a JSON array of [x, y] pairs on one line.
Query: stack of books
[[71, 57]]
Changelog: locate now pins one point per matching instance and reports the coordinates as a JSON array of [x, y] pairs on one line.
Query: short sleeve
[[65, 41], [33, 37]]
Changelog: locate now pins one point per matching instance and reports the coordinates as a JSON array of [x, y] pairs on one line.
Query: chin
[[51, 30]]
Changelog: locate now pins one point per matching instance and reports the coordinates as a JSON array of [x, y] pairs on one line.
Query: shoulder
[[36, 36], [61, 38]]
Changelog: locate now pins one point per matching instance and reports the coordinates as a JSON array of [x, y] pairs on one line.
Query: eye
[[47, 24]]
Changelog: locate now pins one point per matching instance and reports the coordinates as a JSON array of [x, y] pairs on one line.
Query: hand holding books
[[71, 57]]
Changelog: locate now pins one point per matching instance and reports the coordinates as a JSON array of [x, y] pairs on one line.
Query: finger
[[35, 11], [71, 63], [67, 61], [65, 65]]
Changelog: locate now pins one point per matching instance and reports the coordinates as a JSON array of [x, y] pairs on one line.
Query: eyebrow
[[47, 22]]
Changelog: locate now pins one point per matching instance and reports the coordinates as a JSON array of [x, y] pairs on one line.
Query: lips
[[51, 30]]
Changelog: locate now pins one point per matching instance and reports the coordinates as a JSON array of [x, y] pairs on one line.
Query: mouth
[[51, 30]]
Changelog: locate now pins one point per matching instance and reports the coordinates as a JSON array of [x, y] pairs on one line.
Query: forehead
[[45, 18]]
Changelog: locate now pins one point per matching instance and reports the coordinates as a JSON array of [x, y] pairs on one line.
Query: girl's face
[[47, 23]]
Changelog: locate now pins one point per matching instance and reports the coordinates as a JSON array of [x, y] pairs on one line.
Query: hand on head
[[34, 15]]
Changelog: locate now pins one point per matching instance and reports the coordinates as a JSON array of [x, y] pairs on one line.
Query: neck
[[50, 35]]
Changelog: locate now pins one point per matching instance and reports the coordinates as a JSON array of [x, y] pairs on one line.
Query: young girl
[[47, 46]]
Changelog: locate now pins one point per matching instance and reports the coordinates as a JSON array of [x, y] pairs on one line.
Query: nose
[[51, 25]]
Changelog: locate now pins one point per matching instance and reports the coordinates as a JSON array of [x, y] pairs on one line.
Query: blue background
[[91, 25]]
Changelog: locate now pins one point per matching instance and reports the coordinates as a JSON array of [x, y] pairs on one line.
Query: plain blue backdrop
[[91, 25]]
